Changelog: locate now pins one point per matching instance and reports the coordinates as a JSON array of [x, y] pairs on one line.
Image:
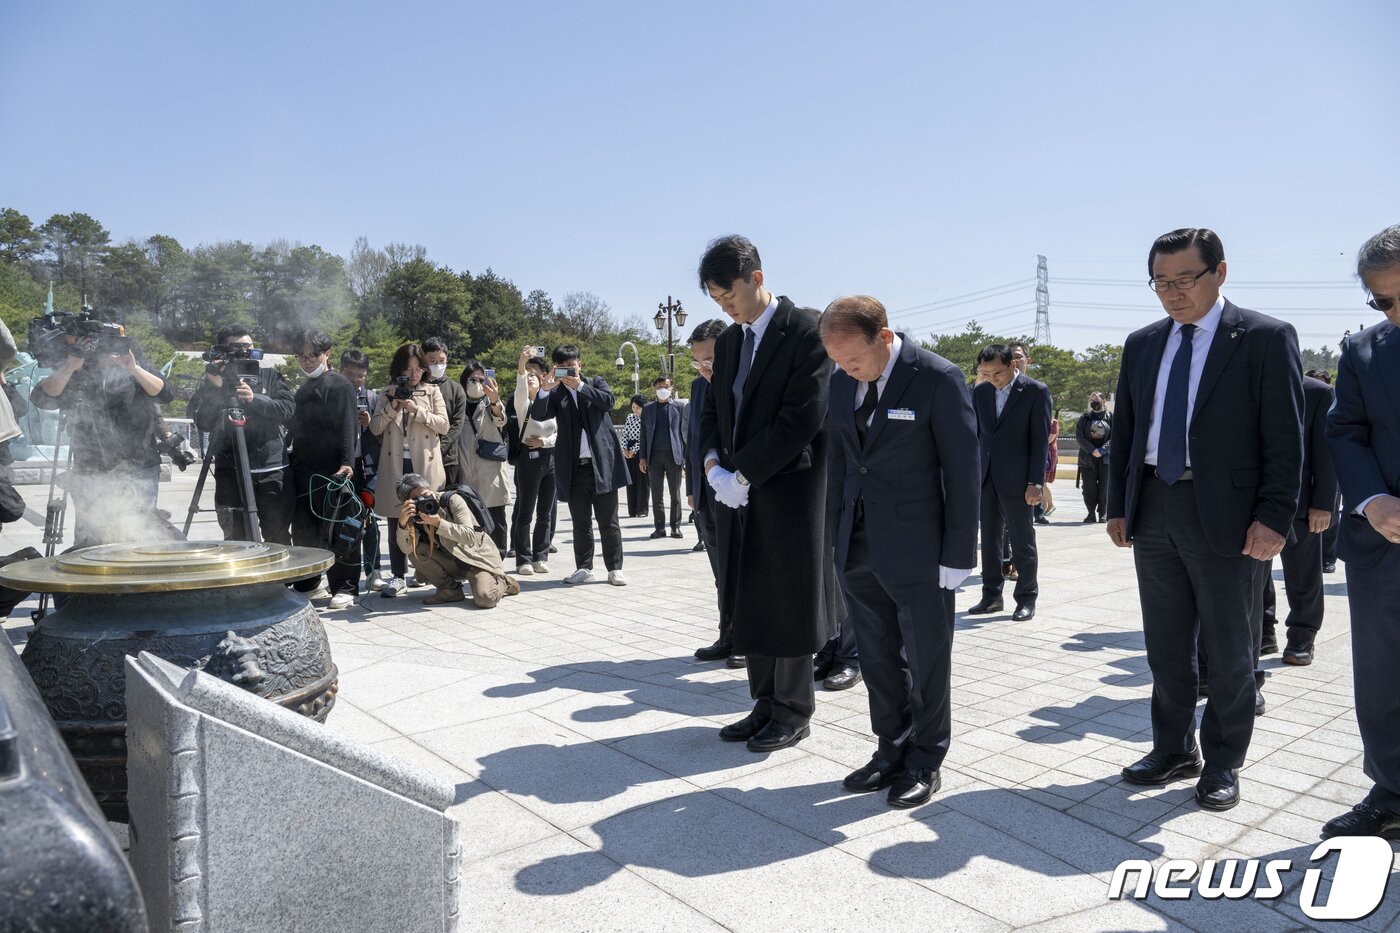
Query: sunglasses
[[1383, 305]]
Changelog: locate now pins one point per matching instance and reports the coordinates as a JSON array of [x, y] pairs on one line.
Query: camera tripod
[[237, 419]]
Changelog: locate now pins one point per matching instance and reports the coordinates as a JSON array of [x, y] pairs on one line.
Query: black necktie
[[742, 375], [867, 409], [1171, 441]]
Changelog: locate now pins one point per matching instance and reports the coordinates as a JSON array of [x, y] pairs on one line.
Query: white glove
[[951, 578], [728, 490]]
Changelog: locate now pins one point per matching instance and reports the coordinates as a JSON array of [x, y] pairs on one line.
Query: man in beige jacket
[[449, 546]]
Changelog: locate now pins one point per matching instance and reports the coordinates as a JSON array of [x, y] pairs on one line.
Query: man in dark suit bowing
[[902, 498], [765, 461], [1203, 478], [1013, 424], [588, 465], [1363, 432], [662, 453]]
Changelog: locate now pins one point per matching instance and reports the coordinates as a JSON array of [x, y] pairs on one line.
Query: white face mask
[[475, 390], [319, 370], [663, 394], [437, 370]]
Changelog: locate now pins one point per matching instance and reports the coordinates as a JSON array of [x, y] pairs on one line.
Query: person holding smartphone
[[588, 463], [481, 446]]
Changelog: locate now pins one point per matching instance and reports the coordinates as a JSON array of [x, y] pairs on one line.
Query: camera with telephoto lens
[[401, 389], [425, 505], [58, 335], [174, 446]]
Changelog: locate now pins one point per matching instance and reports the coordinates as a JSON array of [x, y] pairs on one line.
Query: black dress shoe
[[1218, 788], [716, 652], [658, 533], [875, 775], [676, 533], [1042, 520], [1023, 612], [988, 604], [1160, 767], [699, 546], [775, 736], [1268, 644], [1259, 704], [745, 729], [1299, 654], [914, 787], [1330, 568], [553, 549], [1089, 519], [821, 666], [737, 661], [842, 677], [1364, 819]]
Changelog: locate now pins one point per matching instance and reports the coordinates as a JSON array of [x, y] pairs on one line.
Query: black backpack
[[474, 502]]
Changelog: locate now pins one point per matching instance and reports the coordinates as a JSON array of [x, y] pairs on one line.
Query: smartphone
[[561, 371], [537, 351], [490, 374]]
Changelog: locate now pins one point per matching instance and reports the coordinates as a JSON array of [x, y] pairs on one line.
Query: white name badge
[[900, 414]]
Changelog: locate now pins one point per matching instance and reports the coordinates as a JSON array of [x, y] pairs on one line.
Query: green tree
[[497, 312], [423, 299], [74, 244], [19, 241]]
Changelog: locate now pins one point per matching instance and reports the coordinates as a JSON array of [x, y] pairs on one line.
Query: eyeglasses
[[1182, 284], [1383, 305], [699, 365], [309, 357]]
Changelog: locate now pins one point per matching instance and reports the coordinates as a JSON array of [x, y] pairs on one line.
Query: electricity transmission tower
[[1042, 303]]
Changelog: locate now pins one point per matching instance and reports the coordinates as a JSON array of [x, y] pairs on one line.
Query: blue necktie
[[1171, 442], [742, 376]]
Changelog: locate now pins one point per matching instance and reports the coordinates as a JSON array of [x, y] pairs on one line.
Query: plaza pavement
[[594, 793]]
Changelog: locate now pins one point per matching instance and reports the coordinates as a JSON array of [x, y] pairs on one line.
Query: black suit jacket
[[674, 412], [1363, 432], [695, 484], [1319, 486], [918, 479], [1245, 436], [595, 403], [777, 577], [1014, 446]]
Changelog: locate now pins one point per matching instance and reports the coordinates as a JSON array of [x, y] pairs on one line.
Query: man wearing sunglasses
[[1203, 479], [1363, 431]]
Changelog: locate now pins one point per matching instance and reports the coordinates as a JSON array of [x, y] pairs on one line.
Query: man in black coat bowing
[[761, 429], [902, 498]]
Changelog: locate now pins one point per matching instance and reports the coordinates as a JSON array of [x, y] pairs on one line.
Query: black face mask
[[1096, 405]]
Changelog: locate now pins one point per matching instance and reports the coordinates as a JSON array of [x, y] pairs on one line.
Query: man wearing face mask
[[453, 396], [661, 454], [110, 400], [322, 436], [1093, 432]]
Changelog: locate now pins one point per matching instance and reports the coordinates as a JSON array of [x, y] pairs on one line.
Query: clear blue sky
[[918, 152]]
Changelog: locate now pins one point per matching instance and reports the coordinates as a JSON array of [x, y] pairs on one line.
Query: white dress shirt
[[1004, 394], [882, 381], [1200, 349], [584, 448]]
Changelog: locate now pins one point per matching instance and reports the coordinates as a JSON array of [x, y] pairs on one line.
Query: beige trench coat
[[425, 429]]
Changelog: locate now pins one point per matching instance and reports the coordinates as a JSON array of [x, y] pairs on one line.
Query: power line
[[940, 303]]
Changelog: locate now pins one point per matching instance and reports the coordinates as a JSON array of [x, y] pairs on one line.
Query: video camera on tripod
[[55, 336], [235, 364]]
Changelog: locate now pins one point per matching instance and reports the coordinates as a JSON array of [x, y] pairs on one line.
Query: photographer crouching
[[233, 379], [444, 538], [110, 401]]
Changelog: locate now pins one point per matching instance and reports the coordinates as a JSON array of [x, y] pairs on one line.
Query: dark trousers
[[585, 502], [500, 528], [1302, 579], [663, 468], [308, 528], [1374, 595], [637, 491], [271, 494], [705, 525], [1020, 529], [534, 501], [1093, 476], [842, 647], [905, 634], [782, 689], [1189, 592]]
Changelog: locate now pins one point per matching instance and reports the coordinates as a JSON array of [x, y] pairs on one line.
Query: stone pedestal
[[246, 816]]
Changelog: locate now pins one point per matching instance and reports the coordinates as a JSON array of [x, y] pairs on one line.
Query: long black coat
[[595, 402], [777, 574]]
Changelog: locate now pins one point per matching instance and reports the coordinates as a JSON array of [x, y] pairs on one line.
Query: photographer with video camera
[[410, 423], [109, 400], [234, 381], [445, 538]]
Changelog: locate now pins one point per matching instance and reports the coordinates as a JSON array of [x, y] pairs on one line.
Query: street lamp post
[[636, 364], [670, 317]]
